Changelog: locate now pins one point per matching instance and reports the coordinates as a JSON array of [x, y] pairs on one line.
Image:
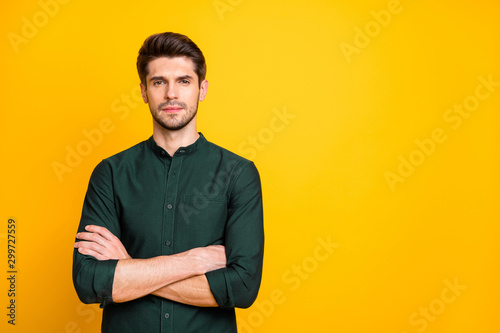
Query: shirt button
[[163, 153], [169, 206], [167, 315], [182, 151], [168, 243]]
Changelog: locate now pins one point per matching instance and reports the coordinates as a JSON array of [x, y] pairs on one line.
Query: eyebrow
[[183, 77]]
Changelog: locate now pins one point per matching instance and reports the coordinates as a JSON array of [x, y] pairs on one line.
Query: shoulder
[[129, 153], [234, 162], [220, 152], [122, 158], [240, 170]]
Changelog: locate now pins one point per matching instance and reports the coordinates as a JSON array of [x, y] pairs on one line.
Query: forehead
[[171, 66]]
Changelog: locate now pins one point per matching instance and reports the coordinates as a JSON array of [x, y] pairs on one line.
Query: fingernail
[[87, 227]]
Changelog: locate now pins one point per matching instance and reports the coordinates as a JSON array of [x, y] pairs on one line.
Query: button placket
[[171, 189], [170, 202]]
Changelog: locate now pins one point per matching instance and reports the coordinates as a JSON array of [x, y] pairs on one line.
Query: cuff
[[220, 287], [103, 281]]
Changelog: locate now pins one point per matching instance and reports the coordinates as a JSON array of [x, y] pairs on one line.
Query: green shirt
[[158, 204]]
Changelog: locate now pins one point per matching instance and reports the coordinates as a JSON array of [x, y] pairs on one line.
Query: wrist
[[187, 262], [194, 260]]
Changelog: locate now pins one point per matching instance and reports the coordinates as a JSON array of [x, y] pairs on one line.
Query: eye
[[158, 82], [184, 81]]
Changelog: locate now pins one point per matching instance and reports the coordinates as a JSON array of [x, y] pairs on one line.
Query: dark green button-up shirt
[[158, 204]]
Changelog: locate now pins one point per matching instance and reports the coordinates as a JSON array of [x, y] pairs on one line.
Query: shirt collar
[[182, 150]]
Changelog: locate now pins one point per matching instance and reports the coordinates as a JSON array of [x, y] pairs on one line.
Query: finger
[[85, 235], [103, 251], [89, 251], [105, 233], [114, 247], [90, 246], [92, 237], [109, 251]]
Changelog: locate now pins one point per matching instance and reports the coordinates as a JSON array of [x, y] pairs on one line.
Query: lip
[[172, 109]]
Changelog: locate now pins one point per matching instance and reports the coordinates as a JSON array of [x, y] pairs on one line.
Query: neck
[[172, 140]]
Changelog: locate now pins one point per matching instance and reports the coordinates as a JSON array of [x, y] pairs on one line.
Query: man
[[171, 235]]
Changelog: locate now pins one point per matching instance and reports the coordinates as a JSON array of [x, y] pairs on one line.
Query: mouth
[[172, 109]]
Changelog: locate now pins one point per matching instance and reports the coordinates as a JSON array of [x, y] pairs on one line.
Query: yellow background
[[350, 119]]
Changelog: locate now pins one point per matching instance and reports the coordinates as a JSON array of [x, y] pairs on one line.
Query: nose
[[171, 92]]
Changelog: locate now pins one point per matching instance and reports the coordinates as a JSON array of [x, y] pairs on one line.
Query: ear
[[203, 89], [144, 93]]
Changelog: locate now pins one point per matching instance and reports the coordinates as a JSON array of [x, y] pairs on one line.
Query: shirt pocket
[[203, 218]]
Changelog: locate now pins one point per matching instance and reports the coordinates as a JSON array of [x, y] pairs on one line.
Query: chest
[[171, 208]]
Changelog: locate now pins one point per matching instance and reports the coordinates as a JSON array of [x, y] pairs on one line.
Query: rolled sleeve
[[92, 278], [238, 284]]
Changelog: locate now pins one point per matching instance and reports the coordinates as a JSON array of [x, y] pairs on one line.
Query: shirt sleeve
[[238, 284], [93, 279]]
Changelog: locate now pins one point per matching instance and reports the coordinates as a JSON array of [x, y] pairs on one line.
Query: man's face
[[173, 92]]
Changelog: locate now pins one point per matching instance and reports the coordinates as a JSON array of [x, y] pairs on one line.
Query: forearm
[[135, 278], [193, 291]]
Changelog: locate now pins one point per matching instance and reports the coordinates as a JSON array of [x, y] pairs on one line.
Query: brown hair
[[170, 44]]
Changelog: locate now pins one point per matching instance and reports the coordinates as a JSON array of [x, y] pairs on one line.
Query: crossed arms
[[226, 276], [179, 277]]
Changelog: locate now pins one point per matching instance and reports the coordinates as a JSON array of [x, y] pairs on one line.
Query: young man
[[171, 236]]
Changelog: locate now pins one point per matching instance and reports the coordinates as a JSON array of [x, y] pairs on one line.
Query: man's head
[[170, 45], [172, 72]]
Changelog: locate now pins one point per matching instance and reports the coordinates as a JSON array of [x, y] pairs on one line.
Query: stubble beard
[[174, 121]]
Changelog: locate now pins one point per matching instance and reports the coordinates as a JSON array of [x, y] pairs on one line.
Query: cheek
[[193, 97], [154, 97]]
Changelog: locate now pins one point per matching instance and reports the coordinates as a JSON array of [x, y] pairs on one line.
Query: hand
[[101, 244], [209, 258]]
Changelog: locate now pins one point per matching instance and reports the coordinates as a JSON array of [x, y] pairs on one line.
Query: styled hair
[[170, 44]]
